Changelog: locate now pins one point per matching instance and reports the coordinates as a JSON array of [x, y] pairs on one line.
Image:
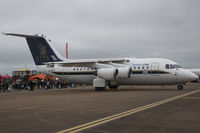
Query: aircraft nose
[[187, 76], [193, 77]]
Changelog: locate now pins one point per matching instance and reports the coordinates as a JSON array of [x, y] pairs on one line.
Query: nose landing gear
[[180, 87]]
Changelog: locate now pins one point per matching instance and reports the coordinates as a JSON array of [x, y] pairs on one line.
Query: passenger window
[[134, 67], [138, 67], [74, 69], [142, 67], [167, 66], [147, 67]]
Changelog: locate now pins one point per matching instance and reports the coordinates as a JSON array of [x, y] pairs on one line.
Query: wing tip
[[4, 33]]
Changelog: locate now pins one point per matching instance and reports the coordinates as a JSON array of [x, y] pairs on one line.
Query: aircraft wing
[[92, 63]]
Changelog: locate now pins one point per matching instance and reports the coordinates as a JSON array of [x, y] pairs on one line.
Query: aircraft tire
[[99, 88], [179, 87], [113, 87]]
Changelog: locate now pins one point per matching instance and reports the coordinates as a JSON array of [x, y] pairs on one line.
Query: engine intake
[[124, 72]]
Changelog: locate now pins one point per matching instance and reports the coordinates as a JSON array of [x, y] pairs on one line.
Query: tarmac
[[140, 109]]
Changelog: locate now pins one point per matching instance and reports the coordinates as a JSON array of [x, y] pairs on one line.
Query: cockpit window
[[172, 66], [167, 66], [177, 66]]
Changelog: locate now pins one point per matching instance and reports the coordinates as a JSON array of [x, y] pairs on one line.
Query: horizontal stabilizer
[[22, 35]]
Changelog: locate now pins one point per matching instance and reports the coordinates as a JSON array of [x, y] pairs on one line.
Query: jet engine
[[107, 73], [124, 72]]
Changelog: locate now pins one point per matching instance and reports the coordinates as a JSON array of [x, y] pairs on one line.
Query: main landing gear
[[180, 87], [113, 87], [99, 88]]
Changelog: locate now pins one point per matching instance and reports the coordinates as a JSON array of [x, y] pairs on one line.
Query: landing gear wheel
[[99, 88], [113, 87], [179, 87]]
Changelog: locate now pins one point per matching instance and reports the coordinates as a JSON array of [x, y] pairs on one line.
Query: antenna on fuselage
[[67, 53]]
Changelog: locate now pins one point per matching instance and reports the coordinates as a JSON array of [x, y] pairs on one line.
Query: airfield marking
[[123, 114], [193, 98]]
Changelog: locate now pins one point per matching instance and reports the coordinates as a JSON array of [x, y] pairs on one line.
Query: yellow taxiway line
[[123, 114], [193, 98]]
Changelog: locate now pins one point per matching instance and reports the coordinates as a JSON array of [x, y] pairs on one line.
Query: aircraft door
[[154, 68]]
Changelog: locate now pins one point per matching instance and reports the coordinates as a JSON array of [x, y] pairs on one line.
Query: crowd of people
[[6, 84]]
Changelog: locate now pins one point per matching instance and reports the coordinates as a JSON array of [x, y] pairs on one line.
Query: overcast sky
[[102, 28]]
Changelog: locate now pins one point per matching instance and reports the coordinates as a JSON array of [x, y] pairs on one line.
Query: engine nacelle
[[124, 72], [107, 73]]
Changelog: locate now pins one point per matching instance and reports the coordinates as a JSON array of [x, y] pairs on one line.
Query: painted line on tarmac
[[192, 98], [123, 114]]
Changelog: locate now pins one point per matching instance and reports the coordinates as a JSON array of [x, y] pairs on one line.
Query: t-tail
[[41, 50]]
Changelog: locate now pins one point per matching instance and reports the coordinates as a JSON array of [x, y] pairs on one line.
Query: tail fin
[[41, 50]]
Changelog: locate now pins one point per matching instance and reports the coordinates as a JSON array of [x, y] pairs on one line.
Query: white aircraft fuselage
[[145, 71], [197, 72]]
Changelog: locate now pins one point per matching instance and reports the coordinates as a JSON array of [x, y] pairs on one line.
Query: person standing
[[38, 83], [48, 84], [9, 88], [1, 86]]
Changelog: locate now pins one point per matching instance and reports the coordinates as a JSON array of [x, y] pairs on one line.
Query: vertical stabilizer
[[41, 50]]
